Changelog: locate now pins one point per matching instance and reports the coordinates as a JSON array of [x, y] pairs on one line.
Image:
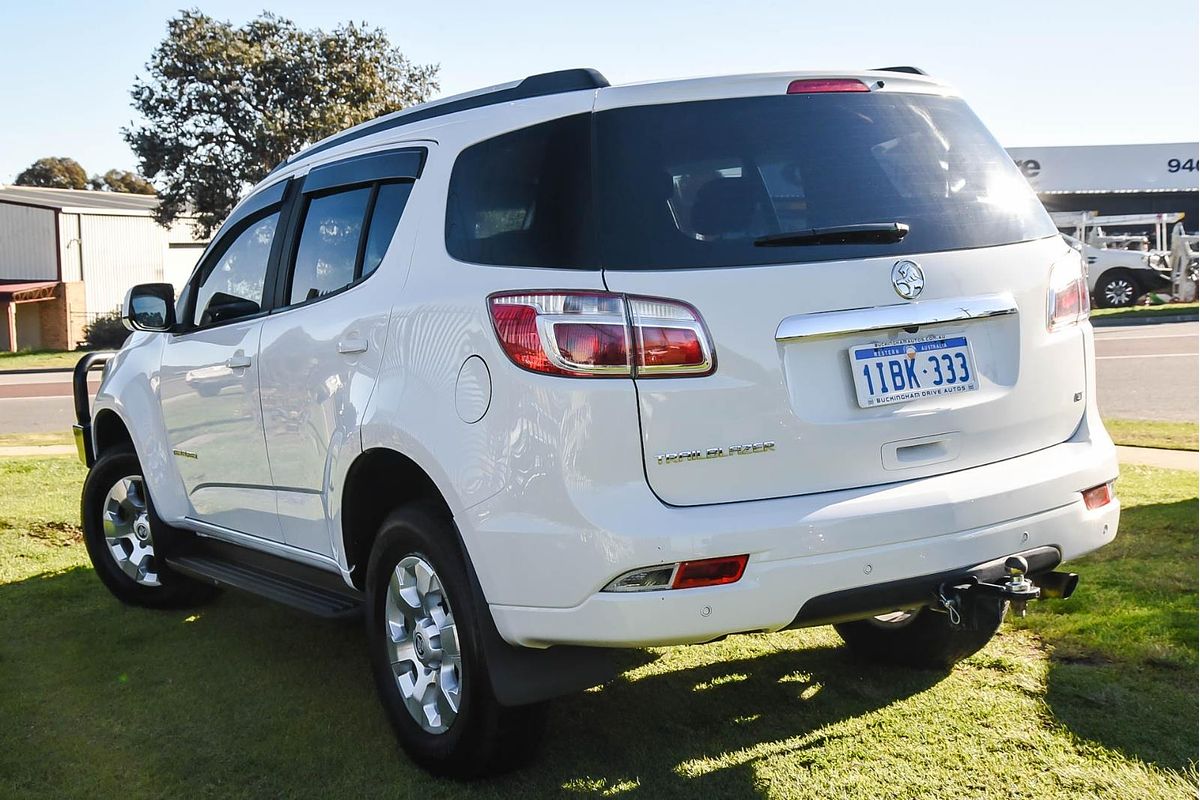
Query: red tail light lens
[[670, 338], [597, 334], [821, 85], [709, 572], [1068, 302], [1098, 496]]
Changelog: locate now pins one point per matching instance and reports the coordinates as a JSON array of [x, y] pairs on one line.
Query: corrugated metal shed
[[108, 240], [27, 243]]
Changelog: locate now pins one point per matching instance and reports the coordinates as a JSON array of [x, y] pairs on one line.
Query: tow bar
[[973, 603]]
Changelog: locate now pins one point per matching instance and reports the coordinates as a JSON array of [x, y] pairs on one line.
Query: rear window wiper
[[869, 233]]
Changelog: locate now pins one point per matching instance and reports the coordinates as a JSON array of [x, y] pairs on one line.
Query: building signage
[[1110, 168]]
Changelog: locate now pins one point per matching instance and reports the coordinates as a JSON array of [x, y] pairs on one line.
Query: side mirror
[[149, 307]]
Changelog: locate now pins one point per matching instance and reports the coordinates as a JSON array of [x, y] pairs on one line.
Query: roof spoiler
[[906, 70]]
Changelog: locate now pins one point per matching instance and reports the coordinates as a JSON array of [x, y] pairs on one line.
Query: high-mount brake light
[[1067, 300], [598, 334], [825, 85]]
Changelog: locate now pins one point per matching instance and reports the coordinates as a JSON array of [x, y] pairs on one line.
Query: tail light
[[598, 334], [1067, 302]]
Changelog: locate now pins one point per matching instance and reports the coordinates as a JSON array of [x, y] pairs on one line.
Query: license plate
[[907, 370]]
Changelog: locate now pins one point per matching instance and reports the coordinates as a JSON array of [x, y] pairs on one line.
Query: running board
[[303, 588]]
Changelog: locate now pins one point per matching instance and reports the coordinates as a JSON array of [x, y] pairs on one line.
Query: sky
[[1051, 72]]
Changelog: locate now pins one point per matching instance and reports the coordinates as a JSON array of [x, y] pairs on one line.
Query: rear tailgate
[[783, 417], [753, 200]]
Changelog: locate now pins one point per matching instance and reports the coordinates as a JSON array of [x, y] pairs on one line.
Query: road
[[1143, 371], [1148, 371], [38, 403]]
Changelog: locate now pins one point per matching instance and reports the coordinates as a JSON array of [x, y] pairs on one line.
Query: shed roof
[[80, 201]]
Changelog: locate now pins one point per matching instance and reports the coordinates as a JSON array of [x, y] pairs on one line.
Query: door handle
[[238, 361], [352, 345]]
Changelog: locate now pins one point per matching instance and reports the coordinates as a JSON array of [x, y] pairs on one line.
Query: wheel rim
[[1119, 292], [423, 642], [127, 530]]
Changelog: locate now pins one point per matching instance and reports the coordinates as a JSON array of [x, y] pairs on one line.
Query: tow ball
[[975, 603]]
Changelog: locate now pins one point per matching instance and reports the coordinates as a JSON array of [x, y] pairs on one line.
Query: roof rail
[[546, 83], [907, 70]]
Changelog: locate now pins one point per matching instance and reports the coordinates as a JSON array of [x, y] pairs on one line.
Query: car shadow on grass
[[1145, 712], [242, 697]]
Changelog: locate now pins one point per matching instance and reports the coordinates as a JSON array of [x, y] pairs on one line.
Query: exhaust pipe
[[1056, 585]]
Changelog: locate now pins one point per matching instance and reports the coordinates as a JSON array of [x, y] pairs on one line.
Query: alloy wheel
[[423, 643], [127, 530], [1119, 292]]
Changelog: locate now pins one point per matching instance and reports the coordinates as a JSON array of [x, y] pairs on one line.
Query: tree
[[120, 180], [54, 173], [223, 105]]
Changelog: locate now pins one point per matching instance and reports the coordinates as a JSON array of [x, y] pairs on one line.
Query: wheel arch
[[109, 431], [379, 480]]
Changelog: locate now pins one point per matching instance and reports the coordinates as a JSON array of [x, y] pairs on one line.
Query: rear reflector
[[684, 575], [821, 85], [709, 572], [1098, 496]]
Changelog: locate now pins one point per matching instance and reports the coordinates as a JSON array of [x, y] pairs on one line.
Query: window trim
[[256, 208], [371, 170]]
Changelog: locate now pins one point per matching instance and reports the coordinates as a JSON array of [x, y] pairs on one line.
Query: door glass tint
[[233, 286], [328, 249], [389, 205], [698, 184], [522, 198]]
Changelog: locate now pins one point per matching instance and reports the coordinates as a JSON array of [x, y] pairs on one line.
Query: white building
[[1115, 179], [68, 256]]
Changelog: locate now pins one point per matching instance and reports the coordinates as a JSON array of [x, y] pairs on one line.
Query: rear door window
[[343, 238], [328, 250], [389, 205]]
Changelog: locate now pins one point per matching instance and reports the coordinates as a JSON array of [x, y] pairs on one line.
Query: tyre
[[923, 638], [426, 649], [119, 530], [1117, 288]]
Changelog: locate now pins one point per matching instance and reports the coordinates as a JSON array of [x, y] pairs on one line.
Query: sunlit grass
[[240, 698]]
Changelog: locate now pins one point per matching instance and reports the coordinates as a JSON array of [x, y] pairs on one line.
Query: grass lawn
[[1095, 696], [1153, 433], [35, 439], [39, 359], [1137, 312]]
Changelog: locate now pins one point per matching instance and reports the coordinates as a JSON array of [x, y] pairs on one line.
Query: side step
[[315, 594]]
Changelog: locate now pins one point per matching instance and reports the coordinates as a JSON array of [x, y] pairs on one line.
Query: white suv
[[557, 367]]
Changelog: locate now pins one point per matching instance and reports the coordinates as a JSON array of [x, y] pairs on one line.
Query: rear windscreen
[[696, 184]]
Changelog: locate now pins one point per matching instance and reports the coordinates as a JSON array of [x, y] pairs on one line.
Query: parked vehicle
[[1117, 277], [557, 367]]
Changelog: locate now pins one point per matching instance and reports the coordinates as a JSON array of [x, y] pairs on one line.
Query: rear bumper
[[781, 593]]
